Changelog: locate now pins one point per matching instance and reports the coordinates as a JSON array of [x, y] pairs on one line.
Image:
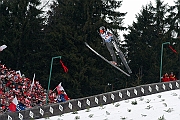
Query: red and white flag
[[13, 104], [64, 67], [173, 49], [59, 88]]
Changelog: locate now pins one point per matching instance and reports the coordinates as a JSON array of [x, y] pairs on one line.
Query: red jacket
[[172, 77], [66, 97], [165, 79]]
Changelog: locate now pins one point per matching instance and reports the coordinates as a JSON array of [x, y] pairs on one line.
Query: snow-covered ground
[[160, 106]]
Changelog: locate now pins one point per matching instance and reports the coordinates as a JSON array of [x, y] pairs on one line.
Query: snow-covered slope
[[161, 106]]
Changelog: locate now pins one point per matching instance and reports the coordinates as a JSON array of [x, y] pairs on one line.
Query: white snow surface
[[160, 106]]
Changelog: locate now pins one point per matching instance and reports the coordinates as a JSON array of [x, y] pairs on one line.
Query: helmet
[[102, 29]]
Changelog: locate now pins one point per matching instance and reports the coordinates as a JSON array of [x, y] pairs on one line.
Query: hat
[[102, 29]]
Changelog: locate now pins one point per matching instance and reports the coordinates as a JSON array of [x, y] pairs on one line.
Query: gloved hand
[[109, 39], [103, 42]]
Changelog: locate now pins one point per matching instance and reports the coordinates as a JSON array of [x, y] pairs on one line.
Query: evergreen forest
[[34, 36]]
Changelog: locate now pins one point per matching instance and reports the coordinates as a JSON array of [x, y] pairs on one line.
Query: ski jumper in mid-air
[[107, 39], [111, 43]]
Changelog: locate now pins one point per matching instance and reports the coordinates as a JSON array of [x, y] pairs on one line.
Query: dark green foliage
[[71, 23], [32, 43], [174, 32], [22, 33], [144, 42]]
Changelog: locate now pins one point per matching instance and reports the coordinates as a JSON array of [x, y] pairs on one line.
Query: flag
[[64, 67], [13, 104], [173, 49], [19, 72], [59, 88], [3, 47], [32, 82], [62, 96]]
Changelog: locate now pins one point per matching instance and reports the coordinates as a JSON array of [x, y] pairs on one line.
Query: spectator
[[165, 78], [62, 97], [21, 106], [13, 84], [172, 77], [52, 97]]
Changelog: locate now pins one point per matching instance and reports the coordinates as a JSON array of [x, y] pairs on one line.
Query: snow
[[160, 106]]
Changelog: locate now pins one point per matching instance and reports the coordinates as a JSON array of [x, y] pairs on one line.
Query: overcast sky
[[133, 7]]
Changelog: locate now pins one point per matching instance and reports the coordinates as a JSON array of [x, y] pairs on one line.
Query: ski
[[122, 57], [106, 60]]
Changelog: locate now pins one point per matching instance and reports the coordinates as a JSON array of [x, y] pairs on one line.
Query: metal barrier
[[89, 102]]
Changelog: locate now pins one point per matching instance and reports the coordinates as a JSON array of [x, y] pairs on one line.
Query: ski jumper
[[107, 37]]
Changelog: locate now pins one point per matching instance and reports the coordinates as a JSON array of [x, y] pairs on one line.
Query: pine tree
[[173, 33], [22, 33], [144, 42], [71, 23]]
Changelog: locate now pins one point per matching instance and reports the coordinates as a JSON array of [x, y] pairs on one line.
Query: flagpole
[[32, 82], [47, 95], [54, 89], [160, 75]]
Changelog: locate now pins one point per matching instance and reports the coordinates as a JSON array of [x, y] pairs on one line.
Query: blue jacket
[[20, 107], [61, 98]]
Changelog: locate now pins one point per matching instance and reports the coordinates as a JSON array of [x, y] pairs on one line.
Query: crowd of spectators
[[169, 77], [29, 93]]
